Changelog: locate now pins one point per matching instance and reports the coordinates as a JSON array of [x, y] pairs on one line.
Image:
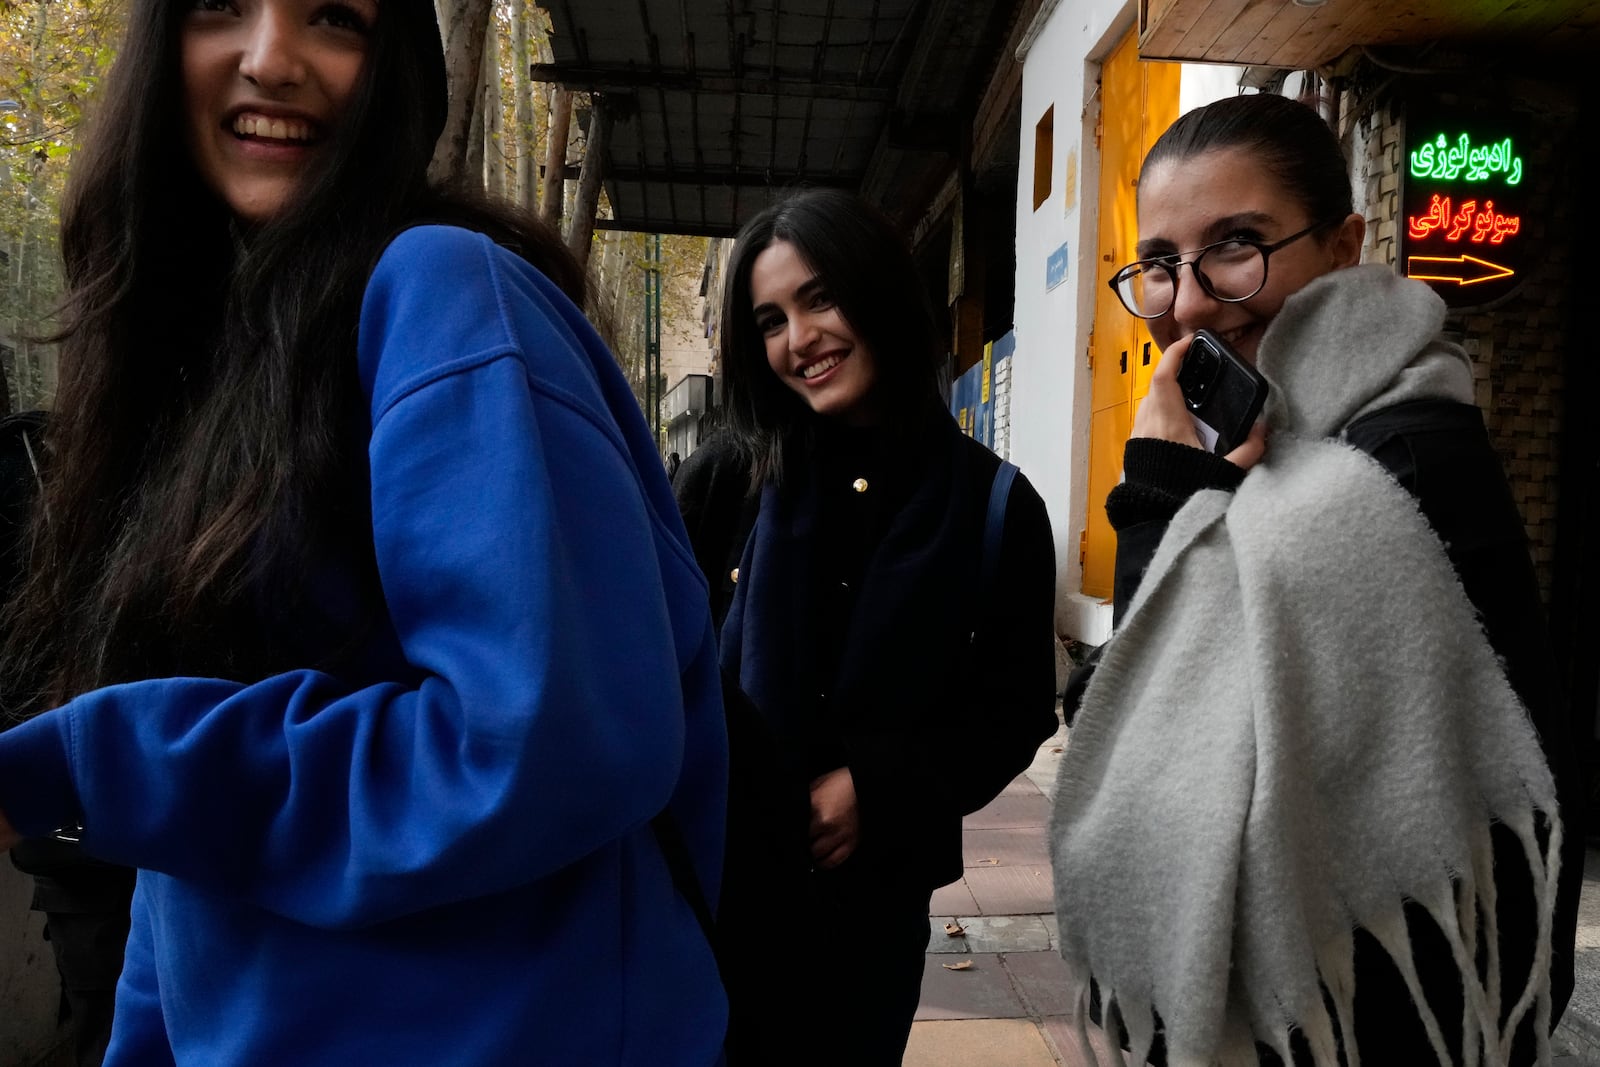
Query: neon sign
[[1470, 219], [1439, 158], [1486, 225], [1460, 270]]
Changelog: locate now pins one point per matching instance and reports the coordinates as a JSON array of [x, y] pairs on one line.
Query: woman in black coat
[[878, 694]]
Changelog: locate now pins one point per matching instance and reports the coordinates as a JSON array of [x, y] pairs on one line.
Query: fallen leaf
[[953, 929], [1058, 750], [963, 965], [991, 861]]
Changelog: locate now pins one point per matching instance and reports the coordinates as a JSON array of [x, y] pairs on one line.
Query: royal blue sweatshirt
[[450, 860]]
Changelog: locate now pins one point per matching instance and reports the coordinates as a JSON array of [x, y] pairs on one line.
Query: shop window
[[1044, 152]]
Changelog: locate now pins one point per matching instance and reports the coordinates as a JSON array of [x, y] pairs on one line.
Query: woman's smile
[[256, 127], [812, 372]]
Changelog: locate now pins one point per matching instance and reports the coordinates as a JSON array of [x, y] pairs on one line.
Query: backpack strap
[[994, 526]]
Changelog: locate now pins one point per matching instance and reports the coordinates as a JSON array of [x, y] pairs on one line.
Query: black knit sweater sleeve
[[1158, 478]]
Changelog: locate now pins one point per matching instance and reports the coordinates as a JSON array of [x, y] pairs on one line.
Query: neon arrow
[[1441, 266]]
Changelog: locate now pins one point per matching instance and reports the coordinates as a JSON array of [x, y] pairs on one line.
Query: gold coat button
[[734, 574], [859, 485]]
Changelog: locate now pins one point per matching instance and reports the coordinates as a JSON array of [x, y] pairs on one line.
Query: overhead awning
[[1296, 36], [720, 104]]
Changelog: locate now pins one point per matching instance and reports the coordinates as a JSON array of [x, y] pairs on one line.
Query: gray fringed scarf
[[1300, 726]]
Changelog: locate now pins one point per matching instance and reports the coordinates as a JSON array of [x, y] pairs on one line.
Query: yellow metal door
[[1137, 102], [1160, 101]]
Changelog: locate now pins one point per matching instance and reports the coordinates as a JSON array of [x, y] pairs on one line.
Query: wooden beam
[[623, 79], [737, 177]]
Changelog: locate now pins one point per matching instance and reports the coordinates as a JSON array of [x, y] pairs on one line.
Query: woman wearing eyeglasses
[[1308, 807]]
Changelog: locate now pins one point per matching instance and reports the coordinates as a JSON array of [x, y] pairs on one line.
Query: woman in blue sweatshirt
[[360, 618]]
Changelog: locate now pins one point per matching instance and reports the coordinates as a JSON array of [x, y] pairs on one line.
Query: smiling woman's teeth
[[272, 129], [821, 365]]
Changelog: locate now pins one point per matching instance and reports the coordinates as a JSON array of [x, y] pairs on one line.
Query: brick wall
[[1518, 345]]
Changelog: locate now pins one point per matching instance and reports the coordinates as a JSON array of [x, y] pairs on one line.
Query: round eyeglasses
[[1230, 271]]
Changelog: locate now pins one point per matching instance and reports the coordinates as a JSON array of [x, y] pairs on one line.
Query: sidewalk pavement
[[996, 995]]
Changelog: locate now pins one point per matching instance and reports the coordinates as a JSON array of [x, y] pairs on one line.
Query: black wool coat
[[860, 638]]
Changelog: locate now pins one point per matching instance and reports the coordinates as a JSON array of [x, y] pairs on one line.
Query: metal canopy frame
[[720, 105]]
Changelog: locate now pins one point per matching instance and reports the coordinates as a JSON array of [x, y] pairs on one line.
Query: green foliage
[[513, 140], [53, 54], [619, 265]]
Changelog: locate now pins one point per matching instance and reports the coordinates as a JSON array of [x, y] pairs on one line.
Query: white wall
[[1050, 371]]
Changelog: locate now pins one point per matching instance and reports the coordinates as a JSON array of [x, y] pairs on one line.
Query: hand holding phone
[[1223, 393]]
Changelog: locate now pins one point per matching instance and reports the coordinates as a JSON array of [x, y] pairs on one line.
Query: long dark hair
[[867, 268], [1283, 136], [208, 437]]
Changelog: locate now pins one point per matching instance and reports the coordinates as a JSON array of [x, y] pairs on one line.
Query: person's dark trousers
[[880, 933], [88, 949], [828, 971], [85, 904]]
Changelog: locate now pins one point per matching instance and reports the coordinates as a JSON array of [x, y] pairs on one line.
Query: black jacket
[[718, 504], [858, 633]]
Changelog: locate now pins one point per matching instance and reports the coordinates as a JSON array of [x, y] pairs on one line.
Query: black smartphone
[[1223, 392]]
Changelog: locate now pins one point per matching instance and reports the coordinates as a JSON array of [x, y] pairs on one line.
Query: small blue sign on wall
[[1055, 268]]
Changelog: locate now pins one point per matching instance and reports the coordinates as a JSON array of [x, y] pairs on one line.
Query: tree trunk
[[581, 232], [522, 107], [555, 159], [494, 139], [465, 24], [546, 102], [473, 172]]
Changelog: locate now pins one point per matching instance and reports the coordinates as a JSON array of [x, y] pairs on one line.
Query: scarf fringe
[[1129, 1026]]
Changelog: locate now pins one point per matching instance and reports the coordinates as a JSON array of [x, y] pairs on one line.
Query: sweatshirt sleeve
[[520, 564]]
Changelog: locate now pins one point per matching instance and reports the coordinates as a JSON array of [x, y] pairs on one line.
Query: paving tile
[[939, 939], [1585, 1002], [1006, 848], [1044, 780], [1008, 812], [1042, 771], [1061, 1033], [1052, 924], [1021, 890], [1006, 933], [1020, 786], [1041, 979], [953, 899], [977, 1043], [982, 991]]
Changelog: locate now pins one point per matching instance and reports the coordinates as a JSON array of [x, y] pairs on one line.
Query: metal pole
[[652, 342]]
